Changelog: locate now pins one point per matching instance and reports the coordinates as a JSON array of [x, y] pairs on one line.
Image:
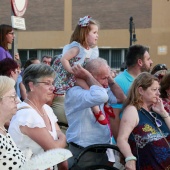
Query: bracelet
[[129, 158], [165, 117]]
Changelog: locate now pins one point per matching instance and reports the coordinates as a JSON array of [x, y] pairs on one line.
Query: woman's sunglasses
[[157, 121]]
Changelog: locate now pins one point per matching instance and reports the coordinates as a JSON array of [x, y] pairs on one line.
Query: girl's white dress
[[65, 80]]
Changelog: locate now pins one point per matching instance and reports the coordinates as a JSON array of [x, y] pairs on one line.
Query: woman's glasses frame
[[14, 97], [46, 83]]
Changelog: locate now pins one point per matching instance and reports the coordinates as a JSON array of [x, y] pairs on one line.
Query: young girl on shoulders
[[82, 48]]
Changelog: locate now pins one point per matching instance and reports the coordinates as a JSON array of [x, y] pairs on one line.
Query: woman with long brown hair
[[6, 37], [144, 133]]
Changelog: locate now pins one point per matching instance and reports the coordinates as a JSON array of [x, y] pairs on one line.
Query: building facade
[[49, 25]]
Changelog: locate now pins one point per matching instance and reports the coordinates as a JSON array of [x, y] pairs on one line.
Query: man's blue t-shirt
[[124, 80]]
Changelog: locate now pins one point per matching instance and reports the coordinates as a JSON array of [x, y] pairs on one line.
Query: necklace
[[154, 116], [36, 107], [3, 129], [157, 122]]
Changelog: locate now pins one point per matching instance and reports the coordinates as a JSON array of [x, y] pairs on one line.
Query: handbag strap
[[163, 136], [23, 107]]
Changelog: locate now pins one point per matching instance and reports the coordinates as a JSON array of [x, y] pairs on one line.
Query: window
[[114, 57], [23, 56]]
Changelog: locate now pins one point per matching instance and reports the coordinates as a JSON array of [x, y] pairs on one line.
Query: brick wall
[[41, 15], [48, 15], [114, 14]]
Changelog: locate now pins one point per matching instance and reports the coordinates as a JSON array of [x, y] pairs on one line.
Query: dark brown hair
[[4, 30], [7, 65]]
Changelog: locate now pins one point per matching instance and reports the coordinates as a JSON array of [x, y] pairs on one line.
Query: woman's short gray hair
[[36, 71]]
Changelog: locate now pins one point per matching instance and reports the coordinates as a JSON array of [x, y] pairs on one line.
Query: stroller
[[95, 167]]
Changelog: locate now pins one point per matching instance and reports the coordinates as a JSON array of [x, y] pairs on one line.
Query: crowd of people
[[130, 109]]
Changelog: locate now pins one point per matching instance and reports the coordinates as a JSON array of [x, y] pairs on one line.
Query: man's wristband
[[129, 158]]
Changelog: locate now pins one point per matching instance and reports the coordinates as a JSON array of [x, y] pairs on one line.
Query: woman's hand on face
[[158, 107], [130, 165]]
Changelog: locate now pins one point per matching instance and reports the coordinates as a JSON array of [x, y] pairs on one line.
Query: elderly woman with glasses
[[6, 37], [10, 68], [35, 126], [10, 156], [144, 133]]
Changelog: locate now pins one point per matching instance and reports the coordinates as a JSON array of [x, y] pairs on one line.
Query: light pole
[[132, 31]]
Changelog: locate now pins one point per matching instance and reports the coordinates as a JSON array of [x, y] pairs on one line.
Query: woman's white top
[[30, 117]]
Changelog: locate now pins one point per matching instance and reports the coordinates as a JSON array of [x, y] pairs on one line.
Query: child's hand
[[71, 70], [80, 72]]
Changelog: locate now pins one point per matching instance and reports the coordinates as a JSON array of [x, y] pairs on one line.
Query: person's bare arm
[[23, 91], [60, 134], [116, 90], [43, 137], [166, 118], [82, 73], [115, 123], [67, 56], [128, 122], [158, 107]]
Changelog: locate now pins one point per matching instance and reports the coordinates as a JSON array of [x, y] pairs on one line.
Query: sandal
[[108, 110], [102, 122]]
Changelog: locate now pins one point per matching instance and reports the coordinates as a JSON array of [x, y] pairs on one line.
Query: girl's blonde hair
[[80, 33]]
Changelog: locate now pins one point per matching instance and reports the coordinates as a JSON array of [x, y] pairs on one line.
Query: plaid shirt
[[166, 105]]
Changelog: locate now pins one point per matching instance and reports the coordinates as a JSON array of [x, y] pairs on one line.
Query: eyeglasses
[[157, 121], [14, 97], [46, 83], [12, 33], [17, 71]]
